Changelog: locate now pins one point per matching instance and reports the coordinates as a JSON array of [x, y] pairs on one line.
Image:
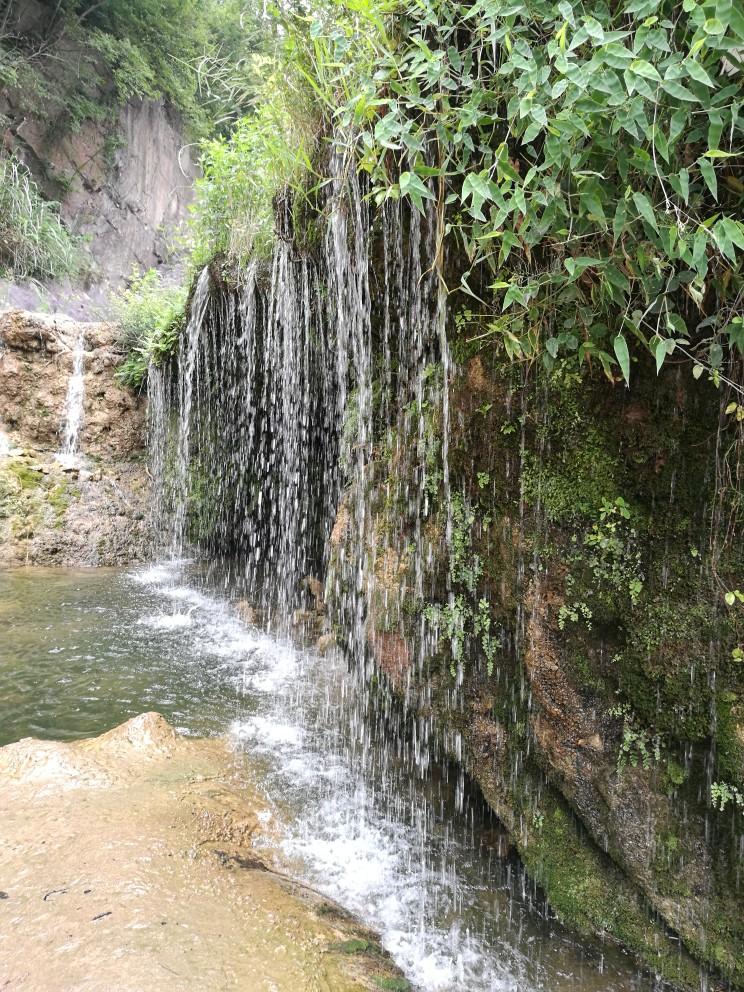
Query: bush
[[270, 149], [33, 241], [151, 316]]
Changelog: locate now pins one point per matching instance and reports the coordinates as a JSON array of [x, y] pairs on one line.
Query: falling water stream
[[74, 404], [414, 853], [293, 392]]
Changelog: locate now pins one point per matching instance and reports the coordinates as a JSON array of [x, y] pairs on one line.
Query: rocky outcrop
[[35, 367], [141, 859], [126, 189], [94, 511]]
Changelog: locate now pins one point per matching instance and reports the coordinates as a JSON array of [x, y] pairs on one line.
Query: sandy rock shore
[[141, 860]]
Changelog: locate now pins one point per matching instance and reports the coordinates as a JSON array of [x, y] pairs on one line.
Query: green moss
[[28, 477], [353, 946], [573, 465], [730, 738], [590, 894], [60, 497], [664, 670]]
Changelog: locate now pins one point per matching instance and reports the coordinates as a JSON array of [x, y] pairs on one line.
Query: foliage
[[586, 159], [150, 45], [612, 554], [462, 619], [151, 317], [242, 173], [637, 745], [33, 241], [721, 794], [190, 52]]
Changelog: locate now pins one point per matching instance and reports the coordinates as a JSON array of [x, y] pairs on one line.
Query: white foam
[[262, 731], [167, 621]]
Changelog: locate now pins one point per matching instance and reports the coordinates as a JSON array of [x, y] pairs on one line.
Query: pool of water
[[415, 854]]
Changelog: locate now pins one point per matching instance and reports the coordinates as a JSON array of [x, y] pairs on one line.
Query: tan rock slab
[[131, 862]]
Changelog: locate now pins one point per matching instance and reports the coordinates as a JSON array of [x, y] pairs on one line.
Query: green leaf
[[620, 346], [479, 188], [697, 72], [643, 205], [734, 231], [709, 175], [618, 223], [717, 153], [594, 29], [659, 348], [415, 189], [387, 129], [684, 182], [616, 56], [640, 67], [714, 26], [677, 90]]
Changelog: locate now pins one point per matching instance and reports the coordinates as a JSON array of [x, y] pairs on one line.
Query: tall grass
[[33, 241], [266, 151]]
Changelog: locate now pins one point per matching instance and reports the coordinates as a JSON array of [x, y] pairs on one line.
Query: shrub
[[150, 316], [242, 173]]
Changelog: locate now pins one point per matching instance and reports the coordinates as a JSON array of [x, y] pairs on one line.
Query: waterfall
[[74, 404], [266, 428]]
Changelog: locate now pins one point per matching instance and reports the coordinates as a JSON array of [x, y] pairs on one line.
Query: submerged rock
[[140, 859]]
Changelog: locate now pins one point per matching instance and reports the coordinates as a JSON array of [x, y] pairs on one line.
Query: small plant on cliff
[[638, 745], [266, 151], [33, 241], [150, 316], [721, 794]]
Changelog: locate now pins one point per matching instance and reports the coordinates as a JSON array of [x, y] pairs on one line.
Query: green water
[[82, 651]]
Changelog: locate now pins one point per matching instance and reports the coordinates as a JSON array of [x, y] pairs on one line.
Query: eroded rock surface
[[139, 860]]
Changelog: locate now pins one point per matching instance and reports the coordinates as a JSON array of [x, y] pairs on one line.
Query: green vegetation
[[585, 161], [392, 984], [150, 315], [201, 57], [721, 794], [233, 215], [33, 241], [466, 621]]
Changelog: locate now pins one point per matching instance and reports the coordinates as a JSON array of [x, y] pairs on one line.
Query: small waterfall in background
[[74, 405]]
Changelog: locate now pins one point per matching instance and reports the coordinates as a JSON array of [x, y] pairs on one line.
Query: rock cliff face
[[124, 188], [123, 174], [92, 511], [585, 665]]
